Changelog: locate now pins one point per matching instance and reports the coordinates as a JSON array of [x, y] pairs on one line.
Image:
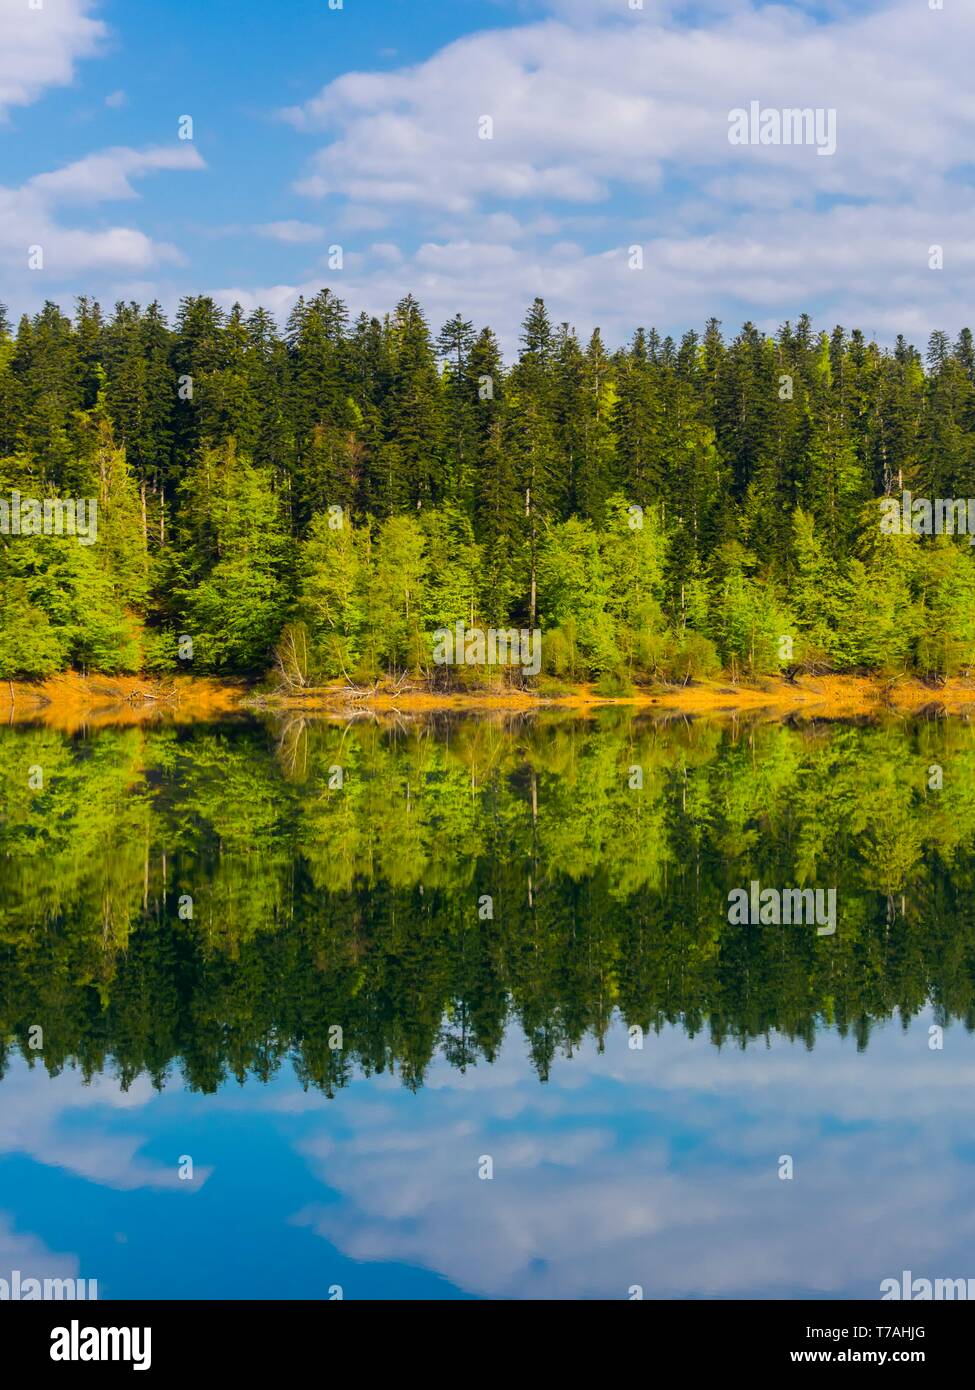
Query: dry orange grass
[[71, 701]]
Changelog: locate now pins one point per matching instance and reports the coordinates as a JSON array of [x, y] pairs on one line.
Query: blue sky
[[359, 128]]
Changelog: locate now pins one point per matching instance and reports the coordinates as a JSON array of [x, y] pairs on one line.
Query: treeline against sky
[[212, 899], [335, 492]]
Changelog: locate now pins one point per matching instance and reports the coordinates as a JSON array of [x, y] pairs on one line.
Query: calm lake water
[[276, 998]]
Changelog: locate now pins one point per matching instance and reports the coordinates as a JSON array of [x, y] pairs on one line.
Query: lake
[[453, 1008]]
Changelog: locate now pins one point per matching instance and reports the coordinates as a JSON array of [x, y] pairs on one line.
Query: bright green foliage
[[31, 646], [946, 642], [748, 621], [313, 905], [332, 569], [397, 598], [228, 590], [220, 450], [573, 592]]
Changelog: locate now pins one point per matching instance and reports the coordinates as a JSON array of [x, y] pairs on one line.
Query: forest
[[211, 898], [317, 502]]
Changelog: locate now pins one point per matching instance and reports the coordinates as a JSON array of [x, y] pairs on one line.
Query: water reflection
[[390, 936]]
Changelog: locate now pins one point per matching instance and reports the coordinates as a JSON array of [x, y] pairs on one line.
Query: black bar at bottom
[[110, 1336]]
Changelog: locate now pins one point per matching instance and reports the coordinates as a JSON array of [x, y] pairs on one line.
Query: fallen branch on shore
[[168, 697]]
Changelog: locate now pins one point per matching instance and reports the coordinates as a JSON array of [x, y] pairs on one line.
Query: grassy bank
[[71, 701]]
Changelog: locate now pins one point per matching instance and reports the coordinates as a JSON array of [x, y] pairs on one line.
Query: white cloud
[[585, 1202], [292, 231], [387, 251], [575, 111], [29, 217], [58, 1124], [40, 47], [617, 133], [29, 1255], [864, 267], [105, 176]]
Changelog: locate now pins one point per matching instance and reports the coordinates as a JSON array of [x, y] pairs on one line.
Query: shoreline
[[70, 701]]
